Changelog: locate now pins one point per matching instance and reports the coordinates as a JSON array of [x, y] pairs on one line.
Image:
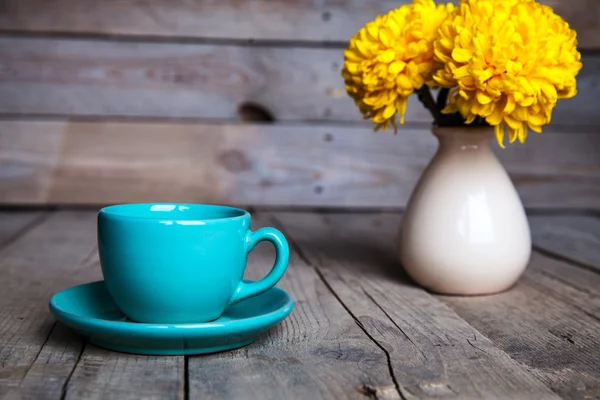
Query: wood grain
[[103, 78], [575, 286], [564, 240], [549, 321], [357, 315], [103, 374], [62, 162], [143, 79], [572, 237], [433, 352], [546, 326], [42, 359], [34, 267], [48, 375], [318, 352], [300, 20]]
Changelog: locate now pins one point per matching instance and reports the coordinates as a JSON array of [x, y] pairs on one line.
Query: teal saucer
[[89, 310]]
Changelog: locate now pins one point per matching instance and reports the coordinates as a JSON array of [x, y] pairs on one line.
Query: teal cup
[[181, 263]]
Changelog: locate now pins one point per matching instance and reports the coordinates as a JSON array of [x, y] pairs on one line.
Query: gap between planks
[[422, 375], [299, 21], [60, 365], [65, 388], [579, 299], [571, 238], [323, 278], [175, 40], [566, 259], [75, 163], [19, 226], [317, 352], [294, 245]]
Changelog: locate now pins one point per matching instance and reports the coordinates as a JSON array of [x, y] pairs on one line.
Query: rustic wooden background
[[238, 102]]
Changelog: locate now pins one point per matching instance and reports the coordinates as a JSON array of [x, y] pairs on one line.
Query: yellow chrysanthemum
[[509, 61], [391, 57]]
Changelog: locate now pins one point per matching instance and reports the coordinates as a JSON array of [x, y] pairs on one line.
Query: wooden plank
[[573, 237], [565, 238], [38, 356], [583, 15], [33, 267], [318, 352], [102, 374], [576, 286], [317, 165], [13, 224], [48, 375], [433, 352], [143, 79], [83, 77], [552, 314], [300, 20], [548, 327]]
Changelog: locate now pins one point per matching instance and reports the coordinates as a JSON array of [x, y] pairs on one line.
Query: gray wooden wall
[[237, 102]]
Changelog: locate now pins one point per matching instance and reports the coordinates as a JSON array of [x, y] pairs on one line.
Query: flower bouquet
[[498, 67]]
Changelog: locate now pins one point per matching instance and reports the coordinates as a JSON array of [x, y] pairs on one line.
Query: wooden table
[[360, 328]]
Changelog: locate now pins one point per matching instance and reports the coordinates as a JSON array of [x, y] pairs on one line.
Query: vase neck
[[464, 138]]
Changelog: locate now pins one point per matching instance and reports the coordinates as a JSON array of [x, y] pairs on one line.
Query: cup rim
[[109, 211]]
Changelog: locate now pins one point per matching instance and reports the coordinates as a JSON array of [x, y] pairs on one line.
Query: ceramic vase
[[465, 231]]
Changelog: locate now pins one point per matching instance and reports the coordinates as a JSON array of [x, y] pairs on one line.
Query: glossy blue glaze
[[181, 263], [90, 310]]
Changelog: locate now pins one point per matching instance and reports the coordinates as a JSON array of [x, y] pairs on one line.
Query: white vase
[[465, 231]]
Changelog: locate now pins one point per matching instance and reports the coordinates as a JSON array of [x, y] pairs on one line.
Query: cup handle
[[282, 256]]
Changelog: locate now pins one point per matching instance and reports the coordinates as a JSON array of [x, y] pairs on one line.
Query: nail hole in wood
[[318, 189], [328, 137], [255, 112], [326, 16]]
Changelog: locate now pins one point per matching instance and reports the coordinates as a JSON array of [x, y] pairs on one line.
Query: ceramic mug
[[181, 263]]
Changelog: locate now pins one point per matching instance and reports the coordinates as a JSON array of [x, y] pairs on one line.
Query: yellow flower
[[390, 57], [508, 61]]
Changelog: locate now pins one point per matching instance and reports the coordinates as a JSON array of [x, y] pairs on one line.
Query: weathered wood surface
[[554, 311], [13, 224], [319, 352], [548, 323], [82, 77], [578, 287], [360, 327], [143, 79], [576, 238], [433, 352], [43, 360], [50, 162], [300, 20], [103, 374], [568, 240], [32, 267]]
